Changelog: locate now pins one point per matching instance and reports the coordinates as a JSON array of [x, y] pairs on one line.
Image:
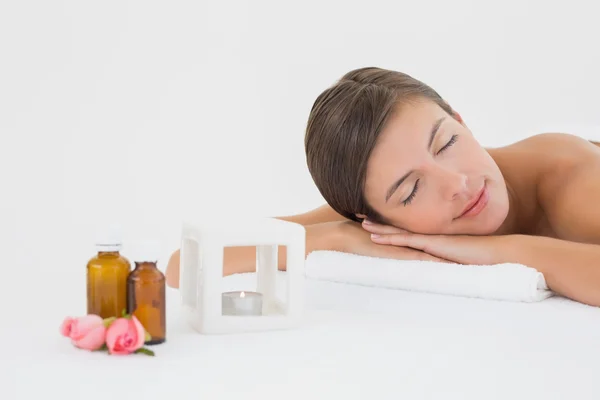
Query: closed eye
[[452, 140], [412, 195], [410, 198]]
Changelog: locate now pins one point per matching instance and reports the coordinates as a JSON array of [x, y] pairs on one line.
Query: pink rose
[[125, 335], [87, 332]]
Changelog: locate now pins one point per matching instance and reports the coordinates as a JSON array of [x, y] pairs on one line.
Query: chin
[[476, 229], [489, 227], [488, 222], [493, 220]]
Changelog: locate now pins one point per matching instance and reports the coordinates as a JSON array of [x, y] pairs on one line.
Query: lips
[[476, 204]]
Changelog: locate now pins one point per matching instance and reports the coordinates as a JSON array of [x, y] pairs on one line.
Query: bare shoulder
[[561, 154], [561, 147], [545, 160], [551, 157], [567, 182]]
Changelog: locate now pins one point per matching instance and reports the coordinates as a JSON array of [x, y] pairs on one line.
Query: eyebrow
[[396, 185]]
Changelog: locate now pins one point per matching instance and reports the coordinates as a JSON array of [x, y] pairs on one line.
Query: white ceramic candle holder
[[201, 273]]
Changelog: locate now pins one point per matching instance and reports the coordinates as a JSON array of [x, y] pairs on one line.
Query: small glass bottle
[[146, 293], [107, 275]]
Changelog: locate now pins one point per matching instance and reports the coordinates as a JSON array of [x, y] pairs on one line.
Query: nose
[[452, 183]]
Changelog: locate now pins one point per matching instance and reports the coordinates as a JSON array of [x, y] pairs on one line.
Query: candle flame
[[242, 294]]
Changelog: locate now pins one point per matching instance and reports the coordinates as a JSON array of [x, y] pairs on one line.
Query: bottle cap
[[145, 251], [109, 238]]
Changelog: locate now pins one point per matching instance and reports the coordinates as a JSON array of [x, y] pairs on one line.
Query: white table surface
[[358, 343]]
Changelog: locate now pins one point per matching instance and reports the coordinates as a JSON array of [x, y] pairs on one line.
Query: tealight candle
[[242, 303]]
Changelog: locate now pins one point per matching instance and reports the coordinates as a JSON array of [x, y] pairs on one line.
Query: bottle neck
[[108, 253], [145, 265]]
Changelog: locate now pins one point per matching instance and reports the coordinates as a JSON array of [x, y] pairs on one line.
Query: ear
[[457, 117], [454, 114], [361, 216]]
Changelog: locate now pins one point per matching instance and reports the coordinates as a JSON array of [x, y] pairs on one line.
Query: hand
[[349, 237], [461, 249]]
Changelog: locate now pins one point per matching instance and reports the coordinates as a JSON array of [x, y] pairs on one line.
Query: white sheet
[[359, 343]]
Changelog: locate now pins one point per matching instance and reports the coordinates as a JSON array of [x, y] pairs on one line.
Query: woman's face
[[428, 174]]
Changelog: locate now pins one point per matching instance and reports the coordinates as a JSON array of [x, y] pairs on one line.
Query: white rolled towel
[[508, 282]]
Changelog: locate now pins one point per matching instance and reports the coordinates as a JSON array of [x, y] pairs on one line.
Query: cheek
[[426, 220], [473, 160]]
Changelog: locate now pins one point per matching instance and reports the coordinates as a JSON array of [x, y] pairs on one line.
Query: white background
[[146, 112]]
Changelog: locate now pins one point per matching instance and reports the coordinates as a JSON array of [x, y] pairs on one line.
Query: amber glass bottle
[[146, 294], [107, 278]]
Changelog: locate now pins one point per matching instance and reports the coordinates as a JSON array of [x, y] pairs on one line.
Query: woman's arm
[[319, 215], [339, 235], [242, 259], [570, 269]]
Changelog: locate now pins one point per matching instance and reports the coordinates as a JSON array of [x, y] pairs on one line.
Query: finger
[[414, 241], [380, 228]]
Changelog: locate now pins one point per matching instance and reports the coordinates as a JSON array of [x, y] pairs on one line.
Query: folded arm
[[570, 269]]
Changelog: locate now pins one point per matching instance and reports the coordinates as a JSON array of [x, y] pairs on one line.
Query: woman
[[404, 178]]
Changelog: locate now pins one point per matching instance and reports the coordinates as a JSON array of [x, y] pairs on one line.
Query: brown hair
[[342, 130]]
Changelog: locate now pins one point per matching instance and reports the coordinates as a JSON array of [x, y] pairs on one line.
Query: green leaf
[[145, 351], [108, 321], [147, 336]]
